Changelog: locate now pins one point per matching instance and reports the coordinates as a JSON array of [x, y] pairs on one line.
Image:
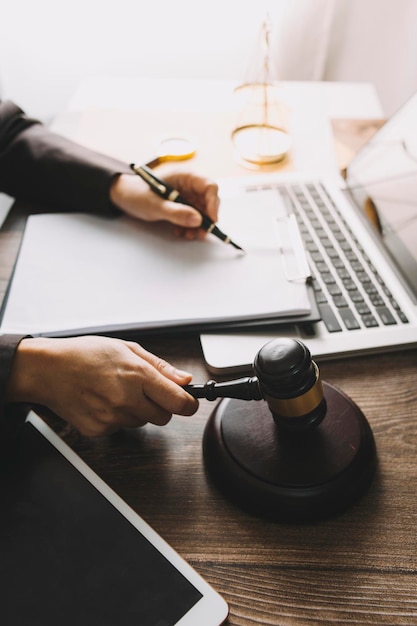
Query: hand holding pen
[[165, 190]]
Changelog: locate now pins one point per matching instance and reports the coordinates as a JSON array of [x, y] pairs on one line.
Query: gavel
[[286, 377], [314, 457]]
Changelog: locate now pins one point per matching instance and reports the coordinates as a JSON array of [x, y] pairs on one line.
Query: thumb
[[181, 214]]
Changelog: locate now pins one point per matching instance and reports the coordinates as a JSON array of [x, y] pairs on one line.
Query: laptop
[[360, 237]]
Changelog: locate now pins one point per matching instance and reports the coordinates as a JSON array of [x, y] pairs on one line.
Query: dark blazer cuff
[[12, 417]]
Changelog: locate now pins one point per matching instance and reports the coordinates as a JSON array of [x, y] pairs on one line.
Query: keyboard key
[[370, 289], [349, 319], [322, 267], [316, 256], [320, 297], [326, 243], [338, 263], [386, 316], [363, 309], [340, 301], [332, 252], [328, 278], [349, 284], [356, 296], [339, 235], [315, 283], [334, 290], [363, 277], [376, 300], [369, 321], [403, 317], [343, 273], [345, 245], [351, 256], [357, 266], [329, 318]]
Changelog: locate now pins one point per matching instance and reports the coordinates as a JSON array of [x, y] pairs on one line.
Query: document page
[[80, 273]]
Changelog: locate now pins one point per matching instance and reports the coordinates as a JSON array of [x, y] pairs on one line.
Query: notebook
[[79, 274], [360, 237]]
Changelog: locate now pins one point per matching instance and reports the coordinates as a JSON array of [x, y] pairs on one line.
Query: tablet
[[73, 552]]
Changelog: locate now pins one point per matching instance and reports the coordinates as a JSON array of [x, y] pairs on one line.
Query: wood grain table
[[357, 568]]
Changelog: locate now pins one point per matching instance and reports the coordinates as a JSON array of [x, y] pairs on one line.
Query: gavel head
[[290, 383]]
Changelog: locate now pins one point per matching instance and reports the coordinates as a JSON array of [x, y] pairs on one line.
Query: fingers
[[180, 215], [169, 371], [151, 398], [198, 192], [101, 384], [162, 389], [167, 399], [208, 191], [133, 196]]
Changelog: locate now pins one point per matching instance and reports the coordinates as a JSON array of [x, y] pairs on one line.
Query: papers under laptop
[[361, 241]]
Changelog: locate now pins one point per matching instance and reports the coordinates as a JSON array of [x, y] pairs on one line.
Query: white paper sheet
[[80, 273]]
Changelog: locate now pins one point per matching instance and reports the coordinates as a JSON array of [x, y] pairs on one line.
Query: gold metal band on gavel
[[301, 405]]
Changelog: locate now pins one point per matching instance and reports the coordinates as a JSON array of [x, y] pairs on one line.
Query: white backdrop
[[46, 46], [351, 40]]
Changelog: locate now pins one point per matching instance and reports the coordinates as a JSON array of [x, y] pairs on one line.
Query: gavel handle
[[241, 389]]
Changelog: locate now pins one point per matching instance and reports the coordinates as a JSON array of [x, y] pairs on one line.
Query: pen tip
[[232, 243]]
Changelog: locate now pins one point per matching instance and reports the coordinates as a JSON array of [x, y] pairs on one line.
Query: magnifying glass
[[173, 149]]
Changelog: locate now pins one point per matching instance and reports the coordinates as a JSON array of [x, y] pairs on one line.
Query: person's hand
[[98, 384], [133, 196]]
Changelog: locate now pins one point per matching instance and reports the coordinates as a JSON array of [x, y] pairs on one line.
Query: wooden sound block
[[290, 476]]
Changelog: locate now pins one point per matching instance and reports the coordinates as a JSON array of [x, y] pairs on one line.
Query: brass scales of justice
[[260, 138]]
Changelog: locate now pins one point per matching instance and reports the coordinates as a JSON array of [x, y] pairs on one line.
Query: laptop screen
[[382, 179]]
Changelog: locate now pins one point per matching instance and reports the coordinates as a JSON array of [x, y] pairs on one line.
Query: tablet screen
[[68, 556]]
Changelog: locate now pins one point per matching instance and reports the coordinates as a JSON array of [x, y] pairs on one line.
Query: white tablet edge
[[211, 609]]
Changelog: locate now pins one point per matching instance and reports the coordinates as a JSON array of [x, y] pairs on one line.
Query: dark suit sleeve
[[40, 166], [12, 420]]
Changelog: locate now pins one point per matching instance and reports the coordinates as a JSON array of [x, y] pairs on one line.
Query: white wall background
[[47, 46], [352, 40]]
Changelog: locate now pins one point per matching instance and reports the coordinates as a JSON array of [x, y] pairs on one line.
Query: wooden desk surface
[[357, 568]]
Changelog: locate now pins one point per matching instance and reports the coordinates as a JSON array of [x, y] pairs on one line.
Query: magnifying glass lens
[[172, 149], [176, 148]]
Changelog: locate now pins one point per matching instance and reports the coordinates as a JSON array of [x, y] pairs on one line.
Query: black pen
[[166, 191]]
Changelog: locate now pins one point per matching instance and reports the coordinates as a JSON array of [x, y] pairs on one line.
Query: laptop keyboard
[[349, 291]]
